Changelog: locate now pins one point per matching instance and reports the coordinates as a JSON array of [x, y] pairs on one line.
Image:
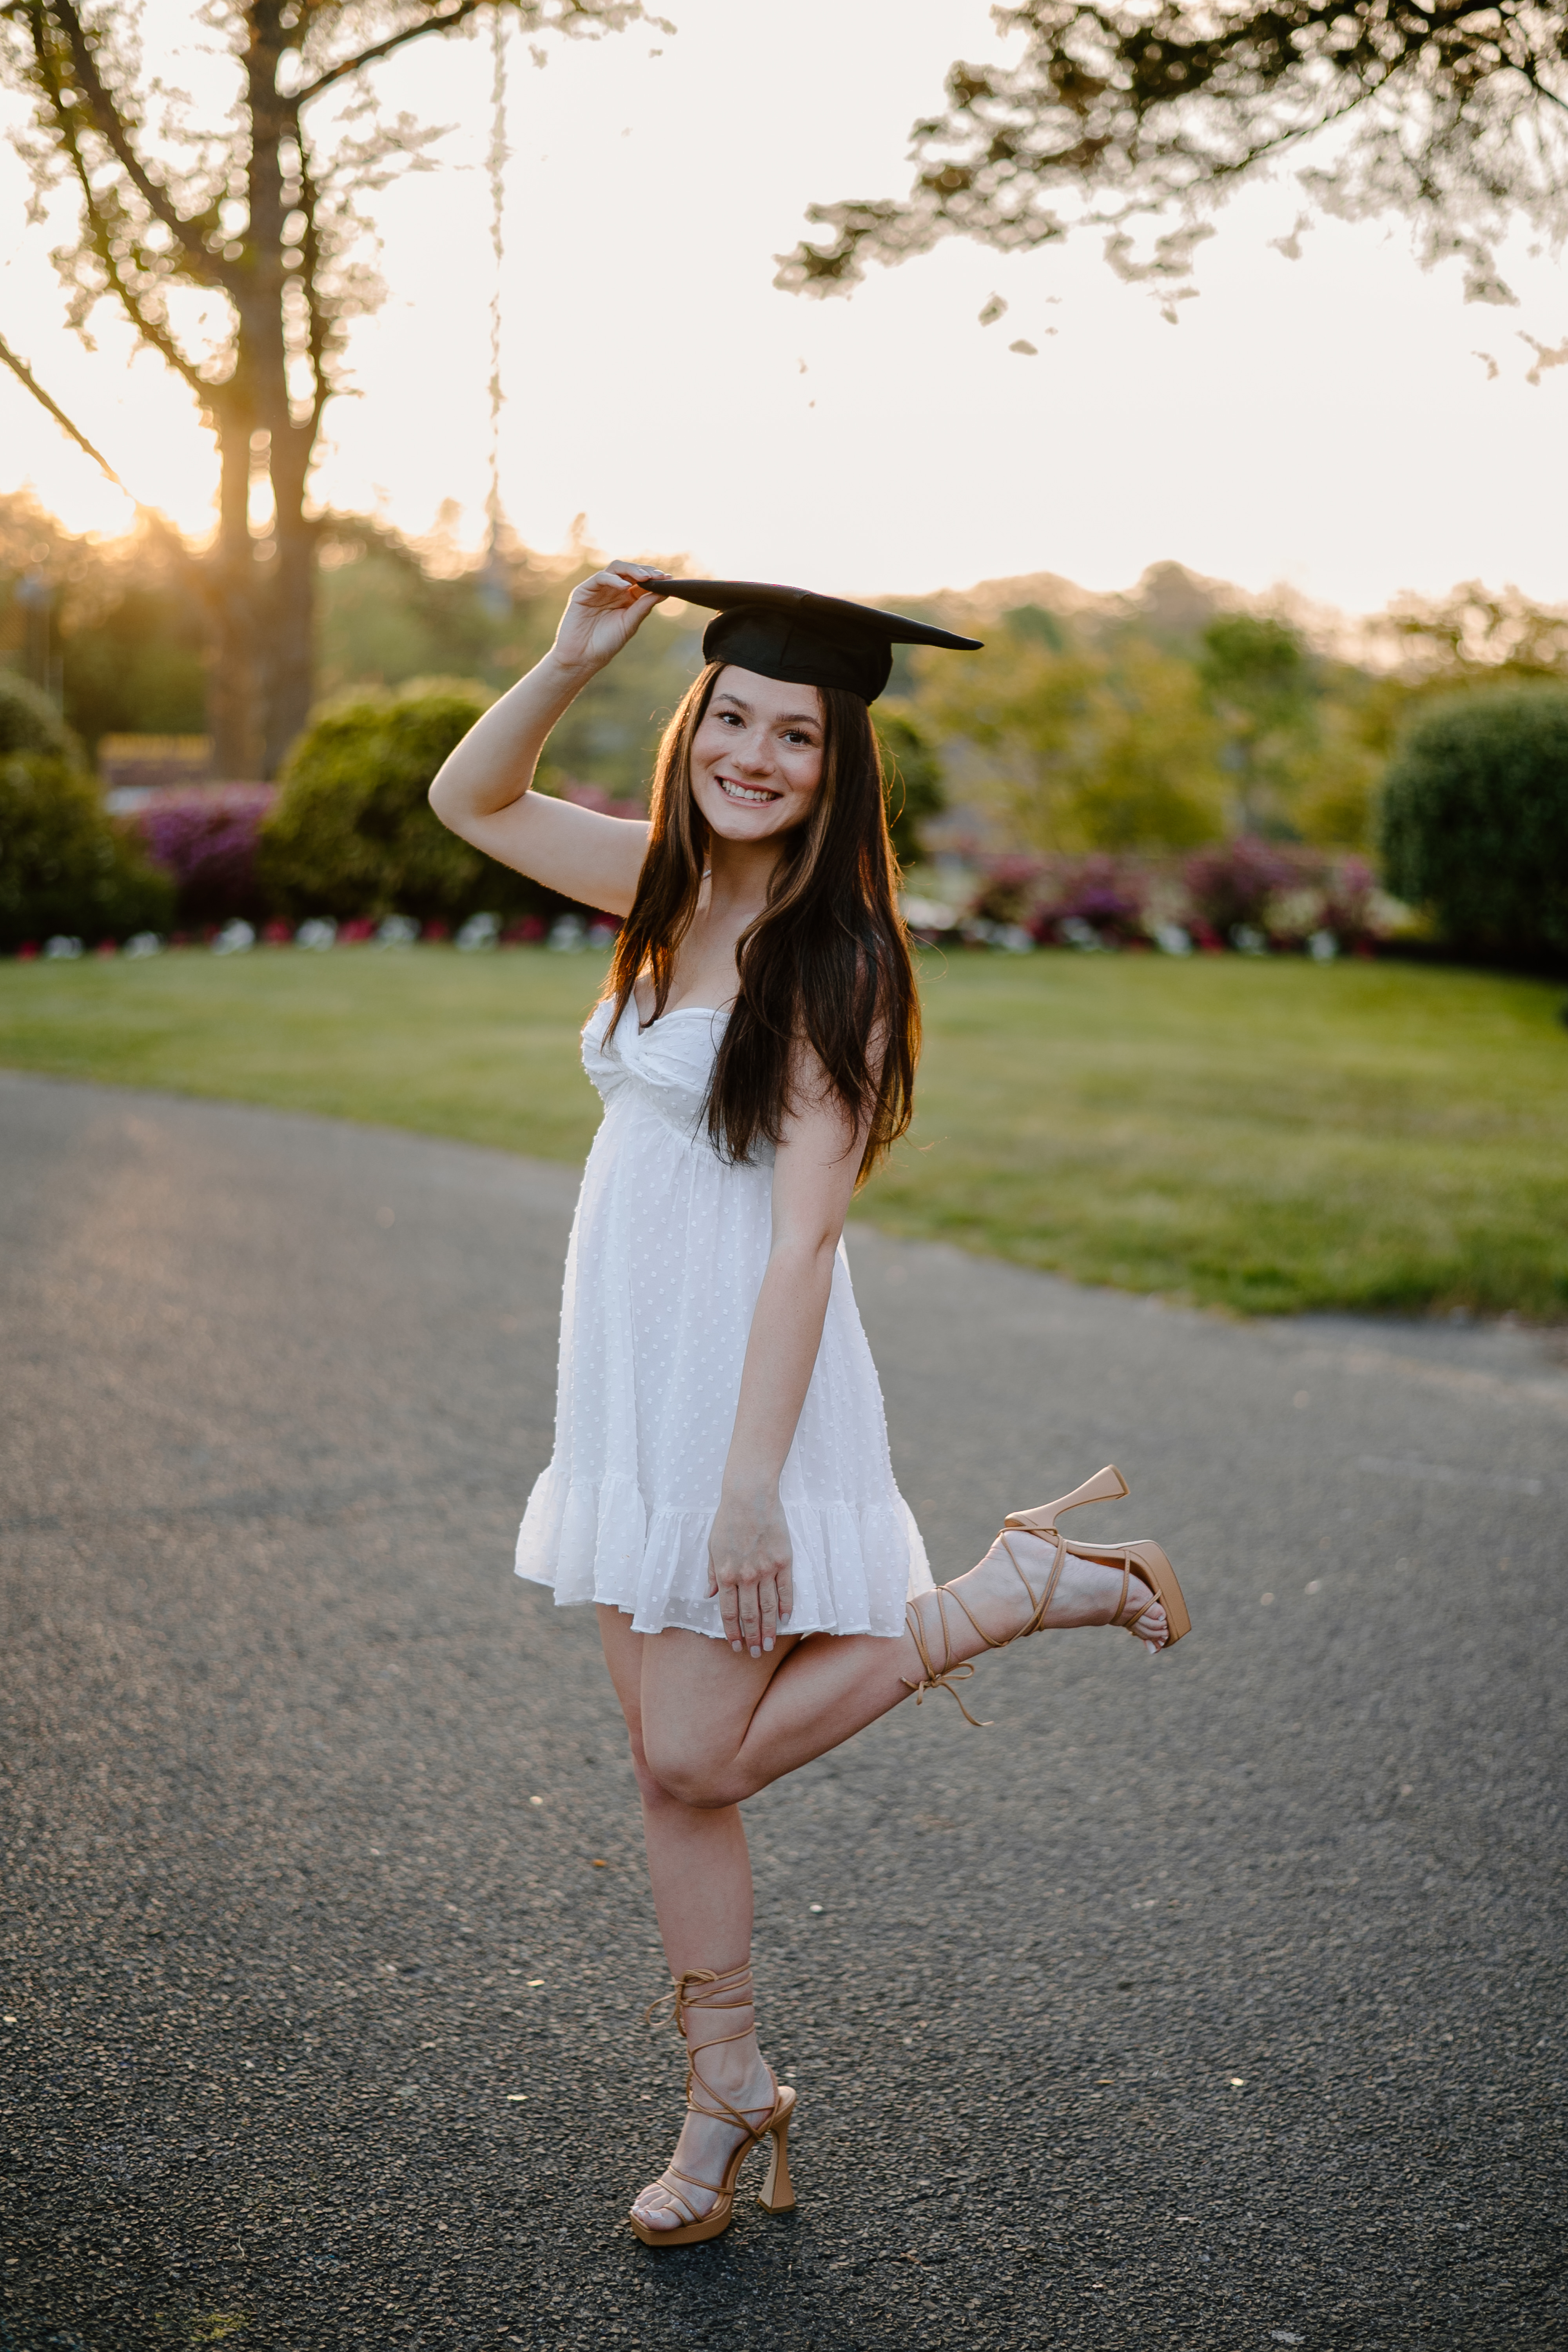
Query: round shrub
[[352, 833], [64, 865], [1474, 820], [29, 721]]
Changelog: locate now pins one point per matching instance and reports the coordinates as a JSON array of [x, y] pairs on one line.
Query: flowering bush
[[594, 797], [1249, 896], [1229, 887], [1101, 895], [1354, 909], [1008, 889], [207, 839]]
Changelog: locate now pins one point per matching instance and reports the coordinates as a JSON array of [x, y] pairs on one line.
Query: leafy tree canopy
[[1479, 634], [256, 211], [1455, 114]]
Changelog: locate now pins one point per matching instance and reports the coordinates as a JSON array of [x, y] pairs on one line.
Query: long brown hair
[[825, 964]]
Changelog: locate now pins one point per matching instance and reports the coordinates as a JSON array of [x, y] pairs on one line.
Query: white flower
[[927, 915], [1323, 947], [234, 939], [1080, 934], [320, 932], [1173, 938], [60, 949], [398, 931], [566, 932], [1294, 913], [479, 931], [143, 943]]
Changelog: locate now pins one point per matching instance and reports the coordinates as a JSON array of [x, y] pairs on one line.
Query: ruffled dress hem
[[598, 1541]]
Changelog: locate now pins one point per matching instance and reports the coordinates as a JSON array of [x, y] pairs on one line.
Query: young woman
[[720, 1486]]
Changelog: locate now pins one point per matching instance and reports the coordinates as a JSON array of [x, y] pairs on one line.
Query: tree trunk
[[235, 690], [292, 636], [262, 363]]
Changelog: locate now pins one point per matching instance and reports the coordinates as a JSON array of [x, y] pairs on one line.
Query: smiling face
[[756, 759]]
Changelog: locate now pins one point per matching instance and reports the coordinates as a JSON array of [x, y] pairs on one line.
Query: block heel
[[1142, 1557]]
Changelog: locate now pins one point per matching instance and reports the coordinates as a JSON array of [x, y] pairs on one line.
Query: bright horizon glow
[[1328, 424]]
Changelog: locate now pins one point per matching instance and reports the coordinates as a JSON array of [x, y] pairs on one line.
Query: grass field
[[1261, 1136]]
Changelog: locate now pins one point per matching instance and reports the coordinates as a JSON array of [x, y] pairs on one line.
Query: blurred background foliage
[[1154, 723]]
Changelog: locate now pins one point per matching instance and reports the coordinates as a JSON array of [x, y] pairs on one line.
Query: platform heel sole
[[776, 2194], [1160, 1578], [690, 2233]]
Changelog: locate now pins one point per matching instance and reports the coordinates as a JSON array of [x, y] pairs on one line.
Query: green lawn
[[1262, 1135]]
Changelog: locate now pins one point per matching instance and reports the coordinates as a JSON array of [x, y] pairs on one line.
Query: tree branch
[[1133, 107], [153, 330], [113, 130], [24, 374], [619, 12], [319, 329], [441, 24]]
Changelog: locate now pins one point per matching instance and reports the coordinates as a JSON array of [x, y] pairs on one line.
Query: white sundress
[[668, 1252]]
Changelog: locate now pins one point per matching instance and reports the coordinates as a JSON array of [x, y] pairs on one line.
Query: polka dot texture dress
[[668, 1252]]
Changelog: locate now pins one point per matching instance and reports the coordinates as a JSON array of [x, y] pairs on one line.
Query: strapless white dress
[[668, 1251]]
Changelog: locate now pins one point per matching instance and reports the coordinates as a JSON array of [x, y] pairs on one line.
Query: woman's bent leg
[[716, 1728]]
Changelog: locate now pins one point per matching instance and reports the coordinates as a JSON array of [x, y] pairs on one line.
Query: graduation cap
[[805, 639]]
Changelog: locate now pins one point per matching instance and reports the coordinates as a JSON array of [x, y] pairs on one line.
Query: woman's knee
[[648, 1782], [679, 1771]]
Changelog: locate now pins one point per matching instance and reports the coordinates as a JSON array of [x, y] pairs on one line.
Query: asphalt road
[[1211, 2003]]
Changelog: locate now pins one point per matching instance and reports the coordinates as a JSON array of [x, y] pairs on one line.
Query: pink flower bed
[[207, 836], [1245, 894]]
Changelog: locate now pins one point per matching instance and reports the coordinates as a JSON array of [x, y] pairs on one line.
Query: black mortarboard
[[808, 640]]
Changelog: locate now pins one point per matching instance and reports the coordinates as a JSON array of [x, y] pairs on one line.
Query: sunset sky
[[1332, 422]]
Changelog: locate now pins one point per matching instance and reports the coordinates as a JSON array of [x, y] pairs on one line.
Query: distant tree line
[[1164, 720]]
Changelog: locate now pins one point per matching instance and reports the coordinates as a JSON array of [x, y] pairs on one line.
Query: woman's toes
[[1153, 1628]]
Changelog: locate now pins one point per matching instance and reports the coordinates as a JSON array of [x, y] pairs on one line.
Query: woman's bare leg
[[701, 1877], [717, 1727], [709, 1728]]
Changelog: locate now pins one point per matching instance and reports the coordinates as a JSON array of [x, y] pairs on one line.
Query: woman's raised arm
[[482, 792]]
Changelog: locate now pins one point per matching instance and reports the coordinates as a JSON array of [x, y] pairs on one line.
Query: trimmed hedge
[[352, 833], [64, 866], [29, 721], [1474, 820]]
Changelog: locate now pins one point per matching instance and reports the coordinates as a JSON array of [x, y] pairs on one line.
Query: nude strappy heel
[[723, 1988], [1142, 1557]]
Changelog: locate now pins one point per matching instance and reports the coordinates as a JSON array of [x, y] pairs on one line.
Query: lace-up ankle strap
[[705, 1989], [699, 1991]]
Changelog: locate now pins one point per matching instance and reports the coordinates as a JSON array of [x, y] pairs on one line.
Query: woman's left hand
[[749, 1569]]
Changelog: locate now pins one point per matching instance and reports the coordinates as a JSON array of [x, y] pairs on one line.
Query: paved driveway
[[1211, 2003]]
